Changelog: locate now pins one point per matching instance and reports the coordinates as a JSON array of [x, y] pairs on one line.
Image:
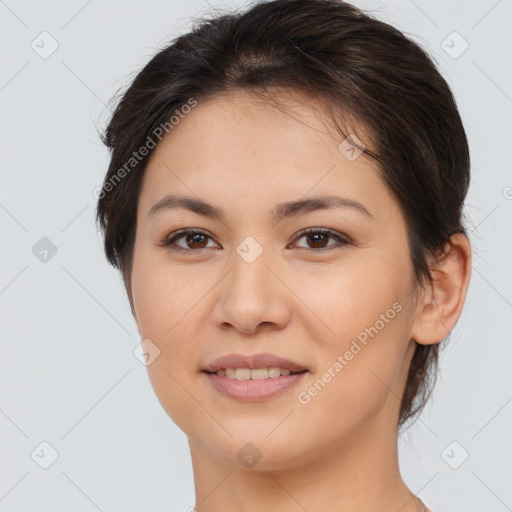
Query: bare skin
[[338, 451]]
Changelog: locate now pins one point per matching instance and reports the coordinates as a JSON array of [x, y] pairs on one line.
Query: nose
[[253, 296]]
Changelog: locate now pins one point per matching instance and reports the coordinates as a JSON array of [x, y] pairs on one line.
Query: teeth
[[254, 374], [243, 373], [274, 371], [259, 373]]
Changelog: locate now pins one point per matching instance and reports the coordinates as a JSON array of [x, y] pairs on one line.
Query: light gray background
[[68, 373]]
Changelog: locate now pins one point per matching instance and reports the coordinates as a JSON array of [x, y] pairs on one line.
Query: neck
[[357, 473]]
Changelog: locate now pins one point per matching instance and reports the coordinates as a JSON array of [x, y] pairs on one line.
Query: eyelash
[[169, 241]]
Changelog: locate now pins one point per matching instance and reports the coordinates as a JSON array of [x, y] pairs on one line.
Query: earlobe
[[442, 303]]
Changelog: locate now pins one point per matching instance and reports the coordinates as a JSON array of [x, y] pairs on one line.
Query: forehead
[[244, 149], [246, 120]]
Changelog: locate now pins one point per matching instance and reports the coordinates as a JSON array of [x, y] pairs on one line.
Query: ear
[[441, 305]]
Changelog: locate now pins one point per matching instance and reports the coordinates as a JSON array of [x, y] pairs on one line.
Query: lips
[[252, 362]]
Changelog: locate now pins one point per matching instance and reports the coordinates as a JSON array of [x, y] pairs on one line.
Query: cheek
[[356, 379], [162, 294], [364, 324], [344, 300], [167, 304]]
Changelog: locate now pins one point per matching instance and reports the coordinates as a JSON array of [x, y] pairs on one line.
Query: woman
[[284, 202]]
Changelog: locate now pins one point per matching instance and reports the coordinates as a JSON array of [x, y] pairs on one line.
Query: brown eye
[[194, 240], [318, 238]]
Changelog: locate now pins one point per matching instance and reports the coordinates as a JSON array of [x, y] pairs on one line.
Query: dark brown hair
[[360, 69]]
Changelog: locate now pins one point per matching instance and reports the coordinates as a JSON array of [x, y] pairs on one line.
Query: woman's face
[[251, 283]]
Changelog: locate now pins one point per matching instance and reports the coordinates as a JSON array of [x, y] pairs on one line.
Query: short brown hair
[[360, 68]]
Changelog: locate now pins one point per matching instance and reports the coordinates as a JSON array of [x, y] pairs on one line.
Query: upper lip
[[251, 362]]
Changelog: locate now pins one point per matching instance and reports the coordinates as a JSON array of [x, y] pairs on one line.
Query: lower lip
[[252, 390]]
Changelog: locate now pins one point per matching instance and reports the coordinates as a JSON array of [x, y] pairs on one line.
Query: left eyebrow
[[280, 211], [292, 208]]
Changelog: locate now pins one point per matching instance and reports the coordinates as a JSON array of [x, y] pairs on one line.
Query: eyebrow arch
[[280, 211]]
